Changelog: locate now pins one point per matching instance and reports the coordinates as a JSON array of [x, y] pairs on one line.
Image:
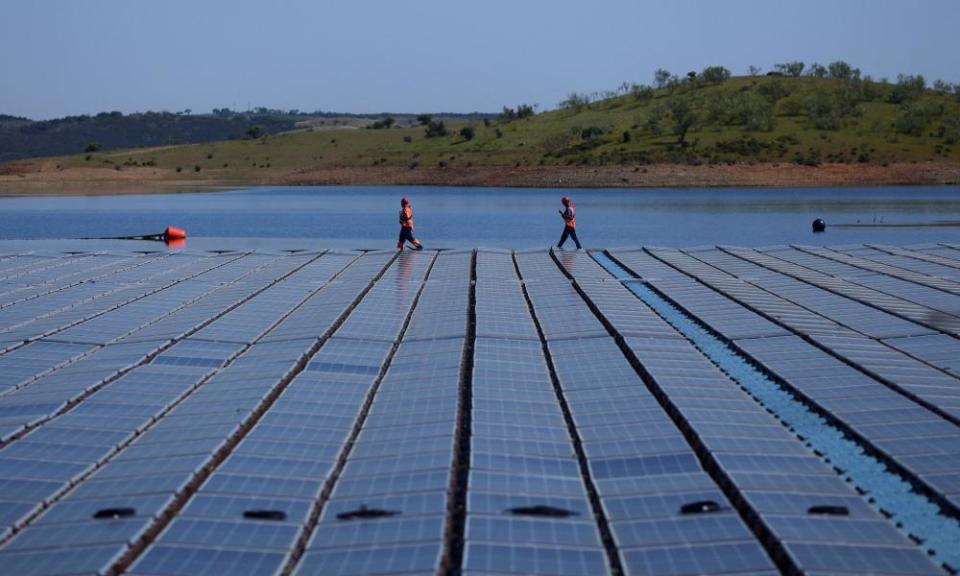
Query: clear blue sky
[[61, 57]]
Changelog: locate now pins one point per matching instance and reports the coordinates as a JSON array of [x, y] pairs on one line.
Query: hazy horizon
[[70, 58]]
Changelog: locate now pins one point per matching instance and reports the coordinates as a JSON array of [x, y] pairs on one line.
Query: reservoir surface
[[449, 217]]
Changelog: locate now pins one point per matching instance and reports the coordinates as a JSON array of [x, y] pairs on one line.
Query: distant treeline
[[25, 138]]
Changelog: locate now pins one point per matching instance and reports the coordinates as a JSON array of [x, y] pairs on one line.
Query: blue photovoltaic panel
[[481, 412]]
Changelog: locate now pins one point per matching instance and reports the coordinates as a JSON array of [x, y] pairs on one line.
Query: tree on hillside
[[794, 69], [436, 129], [817, 71], [424, 119], [912, 119], [92, 147], [754, 70], [661, 77], [823, 111], [759, 114], [467, 132], [576, 101], [717, 106], [950, 128], [522, 111], [684, 118], [747, 109], [942, 87], [653, 119], [773, 89], [907, 88], [843, 71], [254, 132], [641, 92], [714, 74], [385, 123], [526, 110]]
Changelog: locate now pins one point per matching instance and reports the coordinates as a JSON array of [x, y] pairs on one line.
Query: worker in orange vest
[[569, 215], [406, 226]]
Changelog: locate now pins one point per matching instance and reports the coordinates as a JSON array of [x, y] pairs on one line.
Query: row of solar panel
[[897, 266], [787, 283], [46, 395], [940, 306], [12, 263], [527, 510], [903, 292], [900, 370], [916, 259], [160, 460], [290, 427], [382, 312], [255, 501], [679, 284], [249, 512], [177, 311], [47, 316], [917, 438], [16, 290], [637, 456], [934, 386], [743, 441], [386, 512], [499, 311], [25, 271], [940, 350], [914, 302]]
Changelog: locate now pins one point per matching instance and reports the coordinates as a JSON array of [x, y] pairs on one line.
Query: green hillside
[[706, 119], [25, 138]]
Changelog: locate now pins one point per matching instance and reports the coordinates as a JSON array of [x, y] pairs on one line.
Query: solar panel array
[[472, 412], [901, 404]]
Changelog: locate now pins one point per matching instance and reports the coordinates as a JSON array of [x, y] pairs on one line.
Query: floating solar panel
[[478, 412]]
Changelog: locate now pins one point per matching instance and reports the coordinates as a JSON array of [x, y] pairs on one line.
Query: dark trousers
[[569, 232], [406, 235]]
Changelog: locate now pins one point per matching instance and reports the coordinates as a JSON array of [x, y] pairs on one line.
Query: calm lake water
[[448, 217]]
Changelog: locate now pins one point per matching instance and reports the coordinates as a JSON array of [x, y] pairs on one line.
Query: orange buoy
[[172, 233]]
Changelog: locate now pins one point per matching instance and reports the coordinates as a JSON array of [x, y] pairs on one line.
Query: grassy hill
[[25, 138], [734, 121]]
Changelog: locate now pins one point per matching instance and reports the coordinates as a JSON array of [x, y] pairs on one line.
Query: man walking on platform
[[569, 215], [406, 226]]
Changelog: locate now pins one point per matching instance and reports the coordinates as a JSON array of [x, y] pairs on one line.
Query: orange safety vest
[[406, 217], [570, 217]]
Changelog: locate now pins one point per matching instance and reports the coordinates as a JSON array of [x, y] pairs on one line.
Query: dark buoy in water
[[819, 225]]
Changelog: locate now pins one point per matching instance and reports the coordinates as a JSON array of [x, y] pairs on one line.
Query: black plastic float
[[542, 511], [364, 513], [700, 507], [275, 515], [112, 513]]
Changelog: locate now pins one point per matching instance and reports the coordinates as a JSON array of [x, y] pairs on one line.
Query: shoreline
[[42, 178]]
